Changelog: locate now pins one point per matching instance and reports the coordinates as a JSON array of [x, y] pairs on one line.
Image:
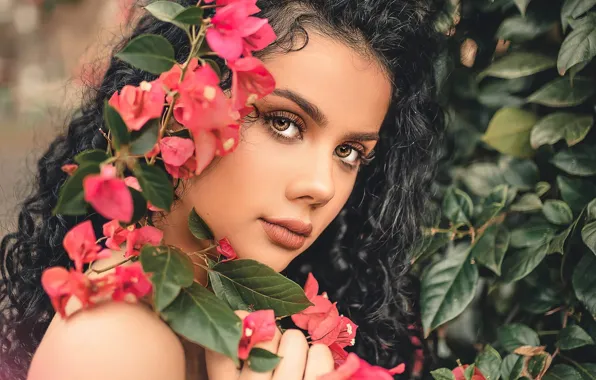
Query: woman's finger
[[247, 373], [219, 366], [318, 362], [293, 349]]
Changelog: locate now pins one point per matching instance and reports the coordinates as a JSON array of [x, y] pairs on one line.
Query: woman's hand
[[299, 361]]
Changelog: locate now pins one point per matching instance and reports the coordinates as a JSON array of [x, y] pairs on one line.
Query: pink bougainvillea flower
[[115, 234], [153, 152], [338, 353], [355, 368], [258, 326], [322, 319], [250, 81], [60, 285], [137, 238], [209, 144], [184, 171], [235, 32], [175, 151], [131, 283], [202, 105], [108, 194], [134, 183], [80, 244], [69, 168], [171, 78], [138, 105], [225, 249], [458, 372]]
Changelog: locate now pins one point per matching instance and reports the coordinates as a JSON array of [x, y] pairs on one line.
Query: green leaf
[[587, 370], [531, 235], [166, 11], [561, 93], [492, 205], [522, 5], [579, 161], [579, 46], [557, 212], [144, 140], [562, 372], [522, 174], [518, 64], [512, 366], [584, 282], [527, 203], [589, 236], [576, 192], [260, 360], [489, 362], [190, 16], [140, 205], [573, 9], [556, 126], [591, 210], [518, 264], [457, 206], [91, 156], [155, 184], [557, 244], [481, 178], [117, 127], [442, 374], [489, 250], [221, 328], [447, 288], [149, 52], [537, 365], [509, 132], [542, 188], [520, 29], [469, 372], [248, 284], [516, 335], [198, 227], [72, 197], [573, 337], [171, 270]]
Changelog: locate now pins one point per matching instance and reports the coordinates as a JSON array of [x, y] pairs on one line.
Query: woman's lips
[[287, 233]]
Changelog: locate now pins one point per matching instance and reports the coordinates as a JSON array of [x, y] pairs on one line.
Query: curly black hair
[[361, 260]]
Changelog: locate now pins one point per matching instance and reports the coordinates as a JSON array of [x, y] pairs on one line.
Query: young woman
[[330, 177]]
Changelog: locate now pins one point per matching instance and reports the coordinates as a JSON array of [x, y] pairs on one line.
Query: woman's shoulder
[[115, 340]]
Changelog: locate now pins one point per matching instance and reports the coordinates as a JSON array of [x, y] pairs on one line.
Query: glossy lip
[[287, 233]]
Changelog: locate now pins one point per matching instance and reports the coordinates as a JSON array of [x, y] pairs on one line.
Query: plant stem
[[111, 266]]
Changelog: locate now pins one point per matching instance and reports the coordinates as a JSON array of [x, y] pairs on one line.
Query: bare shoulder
[[113, 341]]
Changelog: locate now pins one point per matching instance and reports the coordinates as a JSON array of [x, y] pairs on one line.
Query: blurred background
[[49, 50]]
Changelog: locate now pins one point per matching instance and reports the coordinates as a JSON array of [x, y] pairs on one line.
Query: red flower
[[258, 326], [176, 151], [80, 244], [234, 32], [458, 372], [109, 195], [250, 81], [184, 171], [225, 249], [202, 105], [69, 168], [131, 283], [137, 238], [115, 233], [61, 285], [209, 144], [138, 105], [355, 368], [339, 354], [322, 320]]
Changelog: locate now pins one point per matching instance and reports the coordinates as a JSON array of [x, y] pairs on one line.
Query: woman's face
[[296, 165]]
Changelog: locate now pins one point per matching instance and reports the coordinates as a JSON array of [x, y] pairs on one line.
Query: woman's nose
[[312, 181]]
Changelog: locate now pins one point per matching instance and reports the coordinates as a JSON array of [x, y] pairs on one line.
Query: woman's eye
[[348, 154], [284, 127]]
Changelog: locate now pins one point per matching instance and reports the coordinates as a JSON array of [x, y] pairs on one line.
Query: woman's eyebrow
[[309, 108], [362, 136]]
